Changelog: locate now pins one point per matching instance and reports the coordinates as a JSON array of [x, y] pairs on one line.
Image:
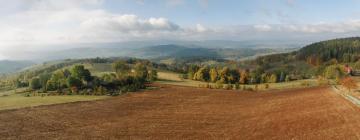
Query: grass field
[[174, 112], [12, 100], [172, 78], [96, 69]]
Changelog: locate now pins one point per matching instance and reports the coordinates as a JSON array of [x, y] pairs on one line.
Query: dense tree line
[[344, 50], [79, 80], [226, 75]]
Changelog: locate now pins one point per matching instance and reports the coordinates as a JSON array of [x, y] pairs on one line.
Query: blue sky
[[28, 23], [229, 12]]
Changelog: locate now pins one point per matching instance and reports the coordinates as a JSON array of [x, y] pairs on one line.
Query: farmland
[[176, 112], [19, 101], [171, 78]]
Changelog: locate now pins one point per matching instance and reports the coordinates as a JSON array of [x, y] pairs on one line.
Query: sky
[[28, 23]]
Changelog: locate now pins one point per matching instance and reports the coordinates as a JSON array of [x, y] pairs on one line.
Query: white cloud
[[341, 27], [128, 23], [200, 28], [263, 28], [77, 21]]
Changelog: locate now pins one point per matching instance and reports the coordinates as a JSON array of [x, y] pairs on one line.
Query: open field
[[20, 101], [13, 100], [175, 112]]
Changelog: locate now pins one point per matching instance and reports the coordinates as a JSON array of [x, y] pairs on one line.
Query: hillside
[[161, 51], [343, 50], [321, 58], [157, 53], [8, 66]]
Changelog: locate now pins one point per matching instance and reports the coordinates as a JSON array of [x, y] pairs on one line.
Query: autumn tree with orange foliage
[[349, 83]]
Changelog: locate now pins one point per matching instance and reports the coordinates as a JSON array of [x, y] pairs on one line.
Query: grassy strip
[[19, 101]]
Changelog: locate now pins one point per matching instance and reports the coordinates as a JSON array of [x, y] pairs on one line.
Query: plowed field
[[174, 112]]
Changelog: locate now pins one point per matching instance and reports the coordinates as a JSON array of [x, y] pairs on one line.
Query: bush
[[183, 76], [322, 81], [236, 86], [267, 86], [207, 85], [227, 86], [249, 89], [305, 83], [219, 84]]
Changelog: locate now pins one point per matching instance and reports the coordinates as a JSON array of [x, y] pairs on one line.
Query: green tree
[[67, 73], [263, 78], [57, 81], [287, 78], [44, 79], [35, 83], [141, 71], [333, 71], [108, 78], [121, 68], [152, 76], [74, 82], [81, 73], [192, 69]]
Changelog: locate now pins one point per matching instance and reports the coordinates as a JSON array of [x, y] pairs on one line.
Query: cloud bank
[[32, 22]]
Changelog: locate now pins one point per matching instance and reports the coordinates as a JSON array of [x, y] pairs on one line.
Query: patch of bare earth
[[191, 113]]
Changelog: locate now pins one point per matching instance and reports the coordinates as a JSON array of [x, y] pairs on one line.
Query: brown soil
[[191, 113]]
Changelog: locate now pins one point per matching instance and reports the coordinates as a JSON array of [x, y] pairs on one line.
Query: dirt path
[[192, 113]]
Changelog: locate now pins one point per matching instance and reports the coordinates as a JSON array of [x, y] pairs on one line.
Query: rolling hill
[[182, 51], [9, 66], [344, 50], [158, 52]]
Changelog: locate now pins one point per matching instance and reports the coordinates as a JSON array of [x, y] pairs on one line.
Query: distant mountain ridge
[[162, 51], [10, 66], [153, 52]]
